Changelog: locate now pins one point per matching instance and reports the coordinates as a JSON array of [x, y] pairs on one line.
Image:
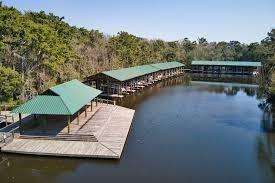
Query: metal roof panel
[[43, 104], [137, 71], [131, 72], [70, 97], [167, 65], [228, 63]]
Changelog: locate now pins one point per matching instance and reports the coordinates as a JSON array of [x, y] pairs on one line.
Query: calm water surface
[[196, 132]]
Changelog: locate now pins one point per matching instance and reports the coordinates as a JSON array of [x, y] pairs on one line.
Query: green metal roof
[[228, 63], [44, 104], [167, 65], [131, 72], [63, 99]]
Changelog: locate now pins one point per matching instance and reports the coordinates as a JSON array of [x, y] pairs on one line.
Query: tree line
[[39, 50]]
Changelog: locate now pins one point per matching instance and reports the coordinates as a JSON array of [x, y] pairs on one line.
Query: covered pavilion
[[66, 99]]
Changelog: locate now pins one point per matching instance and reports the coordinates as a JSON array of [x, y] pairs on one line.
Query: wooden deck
[[109, 124]]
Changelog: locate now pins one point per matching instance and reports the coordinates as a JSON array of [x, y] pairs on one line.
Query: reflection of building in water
[[224, 78], [229, 89]]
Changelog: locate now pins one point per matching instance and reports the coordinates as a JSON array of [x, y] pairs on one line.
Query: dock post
[[91, 105], [96, 101], [114, 102], [78, 117], [69, 120], [85, 110]]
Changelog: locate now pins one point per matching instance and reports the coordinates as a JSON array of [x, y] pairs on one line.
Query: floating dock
[[102, 133]]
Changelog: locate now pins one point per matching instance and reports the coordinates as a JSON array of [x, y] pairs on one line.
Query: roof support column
[[85, 110], [77, 118], [20, 122], [44, 123], [108, 88], [91, 105], [69, 121], [35, 116]]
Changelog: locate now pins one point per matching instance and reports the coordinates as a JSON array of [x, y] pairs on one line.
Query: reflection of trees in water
[[231, 90], [24, 168], [249, 91], [131, 101], [33, 169], [266, 141], [268, 118], [266, 154], [268, 123]]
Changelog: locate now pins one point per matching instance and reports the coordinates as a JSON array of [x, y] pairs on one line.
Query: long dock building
[[120, 82], [226, 67]]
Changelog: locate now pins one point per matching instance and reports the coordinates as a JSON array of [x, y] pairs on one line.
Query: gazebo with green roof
[[64, 99]]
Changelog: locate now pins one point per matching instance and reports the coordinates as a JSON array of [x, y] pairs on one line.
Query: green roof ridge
[[65, 105]]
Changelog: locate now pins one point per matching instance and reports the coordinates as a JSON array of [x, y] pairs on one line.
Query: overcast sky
[[218, 20]]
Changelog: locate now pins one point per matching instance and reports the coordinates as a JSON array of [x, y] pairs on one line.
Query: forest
[[39, 50]]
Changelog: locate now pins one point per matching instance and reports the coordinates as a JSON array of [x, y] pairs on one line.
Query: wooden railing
[[106, 101], [5, 117], [7, 137]]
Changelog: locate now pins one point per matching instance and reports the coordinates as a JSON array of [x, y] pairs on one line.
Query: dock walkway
[[109, 124]]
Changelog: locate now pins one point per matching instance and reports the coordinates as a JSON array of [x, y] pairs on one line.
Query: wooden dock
[[109, 124]]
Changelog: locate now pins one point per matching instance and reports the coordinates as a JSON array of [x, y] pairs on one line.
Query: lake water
[[182, 131]]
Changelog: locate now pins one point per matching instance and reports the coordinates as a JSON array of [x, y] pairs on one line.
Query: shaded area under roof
[[63, 99], [228, 63], [137, 71]]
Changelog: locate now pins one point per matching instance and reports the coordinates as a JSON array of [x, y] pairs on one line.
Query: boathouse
[[116, 83], [226, 67], [66, 99]]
